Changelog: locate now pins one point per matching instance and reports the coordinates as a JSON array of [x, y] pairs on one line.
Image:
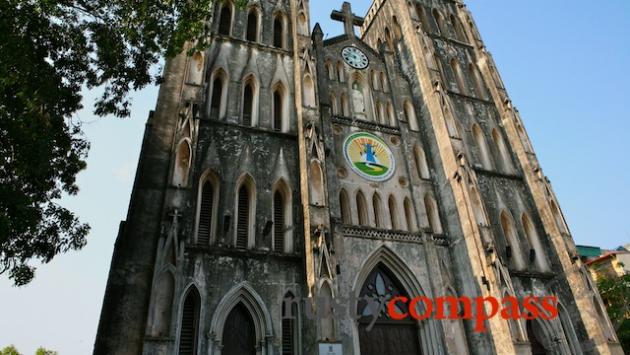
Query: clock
[[355, 58]]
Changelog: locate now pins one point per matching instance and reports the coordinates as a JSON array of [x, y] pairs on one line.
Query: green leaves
[[49, 51]]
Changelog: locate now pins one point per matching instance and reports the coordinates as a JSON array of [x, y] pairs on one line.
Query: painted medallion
[[369, 156]]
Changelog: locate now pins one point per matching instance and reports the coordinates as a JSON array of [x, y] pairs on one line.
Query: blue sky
[[565, 65]]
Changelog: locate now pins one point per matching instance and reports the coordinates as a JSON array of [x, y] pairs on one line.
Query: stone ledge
[[365, 125], [381, 234]]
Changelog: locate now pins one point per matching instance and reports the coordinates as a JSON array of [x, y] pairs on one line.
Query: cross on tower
[[348, 18]]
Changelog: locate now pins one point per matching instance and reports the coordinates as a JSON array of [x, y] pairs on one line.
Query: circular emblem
[[369, 156], [355, 57]]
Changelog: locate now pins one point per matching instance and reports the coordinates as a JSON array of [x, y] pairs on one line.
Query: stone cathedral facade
[[279, 165]]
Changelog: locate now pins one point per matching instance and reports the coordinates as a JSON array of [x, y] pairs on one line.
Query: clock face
[[355, 58]]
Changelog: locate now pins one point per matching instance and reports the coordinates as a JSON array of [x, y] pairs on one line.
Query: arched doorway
[[239, 334], [387, 336]]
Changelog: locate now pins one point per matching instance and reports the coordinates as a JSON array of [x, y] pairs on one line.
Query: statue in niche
[[358, 100]]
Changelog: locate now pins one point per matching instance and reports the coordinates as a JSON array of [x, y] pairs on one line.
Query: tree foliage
[[9, 350], [50, 50], [44, 351], [615, 292]]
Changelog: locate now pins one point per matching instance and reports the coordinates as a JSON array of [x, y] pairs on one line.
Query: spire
[[348, 18]]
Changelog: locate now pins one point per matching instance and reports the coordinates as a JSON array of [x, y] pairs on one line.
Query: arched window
[[278, 31], [217, 98], [195, 69], [537, 252], [333, 105], [480, 216], [440, 22], [245, 213], [459, 76], [384, 84], [281, 214], [252, 25], [410, 115], [391, 116], [279, 108], [432, 214], [309, 91], [302, 24], [503, 152], [479, 85], [375, 80], [250, 102], [393, 212], [480, 141], [459, 29], [341, 72], [344, 206], [316, 185], [225, 19], [378, 211], [207, 208], [380, 113], [397, 29], [182, 164], [345, 106], [330, 70], [362, 212], [389, 40], [409, 215], [189, 329], [511, 238], [422, 15], [421, 162], [289, 324], [327, 324]]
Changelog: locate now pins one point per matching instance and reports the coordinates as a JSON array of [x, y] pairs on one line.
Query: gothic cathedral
[[280, 168]]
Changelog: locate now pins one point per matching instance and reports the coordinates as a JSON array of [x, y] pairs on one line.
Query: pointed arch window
[[280, 108], [252, 25], [378, 211], [245, 215], [459, 29], [393, 212], [345, 106], [389, 40], [340, 72], [409, 215], [195, 69], [334, 105], [330, 70], [344, 206], [537, 252], [289, 324], [479, 85], [391, 116], [309, 91], [189, 329], [362, 212], [217, 97], [380, 114], [375, 80], [421, 162], [279, 31], [225, 19], [207, 210], [282, 219], [302, 24], [484, 153], [459, 76], [250, 102], [182, 164], [440, 22], [410, 115], [558, 217], [278, 222], [316, 179], [422, 15], [514, 253], [433, 216], [384, 83], [503, 152]]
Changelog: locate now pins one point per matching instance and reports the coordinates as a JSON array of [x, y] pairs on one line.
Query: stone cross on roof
[[348, 18]]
